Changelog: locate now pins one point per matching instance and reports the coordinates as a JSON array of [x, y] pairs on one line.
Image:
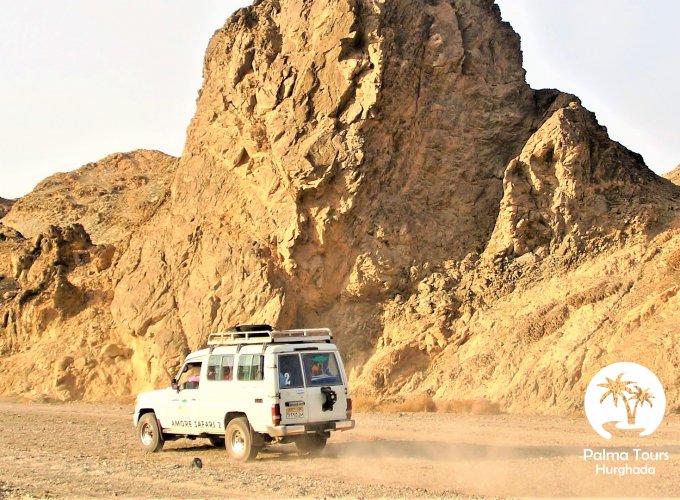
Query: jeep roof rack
[[236, 337]]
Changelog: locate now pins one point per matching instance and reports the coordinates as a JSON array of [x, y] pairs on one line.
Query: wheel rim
[[237, 442], [147, 434]]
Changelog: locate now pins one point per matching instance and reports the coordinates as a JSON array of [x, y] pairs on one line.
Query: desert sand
[[88, 450]]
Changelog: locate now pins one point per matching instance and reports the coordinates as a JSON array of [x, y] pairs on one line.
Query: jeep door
[[293, 397], [183, 404], [251, 391], [324, 377], [216, 393]]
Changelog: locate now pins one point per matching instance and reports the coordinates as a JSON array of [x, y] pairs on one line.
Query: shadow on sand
[[422, 450], [455, 452]]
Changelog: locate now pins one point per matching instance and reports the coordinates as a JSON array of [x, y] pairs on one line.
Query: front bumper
[[295, 430]]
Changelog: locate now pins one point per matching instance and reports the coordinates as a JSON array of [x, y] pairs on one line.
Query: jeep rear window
[[250, 367], [321, 369], [290, 372]]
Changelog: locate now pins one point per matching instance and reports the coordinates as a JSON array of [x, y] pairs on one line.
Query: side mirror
[[174, 385]]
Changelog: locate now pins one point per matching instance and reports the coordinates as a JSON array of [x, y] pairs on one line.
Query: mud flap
[[161, 434], [256, 438]]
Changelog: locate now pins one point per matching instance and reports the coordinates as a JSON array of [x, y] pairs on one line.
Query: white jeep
[[252, 386]]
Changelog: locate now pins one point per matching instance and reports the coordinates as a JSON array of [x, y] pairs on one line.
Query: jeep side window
[[250, 367], [220, 367], [190, 376], [321, 369], [227, 367], [214, 365], [290, 372]]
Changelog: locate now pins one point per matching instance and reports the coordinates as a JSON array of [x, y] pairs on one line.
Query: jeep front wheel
[[148, 433], [239, 442]]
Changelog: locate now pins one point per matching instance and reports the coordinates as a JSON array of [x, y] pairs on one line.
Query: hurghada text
[[636, 454]]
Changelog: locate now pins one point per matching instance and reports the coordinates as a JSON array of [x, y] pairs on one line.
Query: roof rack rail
[[270, 336]]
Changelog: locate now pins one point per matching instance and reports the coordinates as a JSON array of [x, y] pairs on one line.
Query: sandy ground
[[89, 450]]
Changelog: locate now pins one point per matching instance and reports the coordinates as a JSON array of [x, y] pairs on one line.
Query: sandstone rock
[[113, 351], [109, 197], [673, 175], [54, 318], [464, 235], [570, 191], [103, 257], [324, 160], [5, 206]]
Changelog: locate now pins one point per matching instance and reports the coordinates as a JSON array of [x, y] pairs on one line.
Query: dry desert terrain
[[80, 450]]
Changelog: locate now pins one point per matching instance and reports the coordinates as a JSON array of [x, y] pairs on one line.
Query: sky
[[80, 80]]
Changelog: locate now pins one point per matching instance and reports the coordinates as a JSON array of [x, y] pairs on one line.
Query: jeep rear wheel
[[148, 433], [310, 442], [239, 442]]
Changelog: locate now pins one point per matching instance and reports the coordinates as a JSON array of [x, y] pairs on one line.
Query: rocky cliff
[[58, 337], [463, 234], [109, 197], [673, 175], [5, 206]]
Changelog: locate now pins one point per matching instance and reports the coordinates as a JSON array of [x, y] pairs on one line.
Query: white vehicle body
[[285, 383]]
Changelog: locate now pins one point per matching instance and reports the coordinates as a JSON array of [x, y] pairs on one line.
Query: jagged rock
[[323, 159], [66, 298], [109, 197], [5, 206], [103, 257], [113, 351], [673, 175], [573, 189], [54, 318], [464, 235]]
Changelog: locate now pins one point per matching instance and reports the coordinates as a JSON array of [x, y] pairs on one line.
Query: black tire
[[148, 433], [310, 443], [239, 442], [216, 441]]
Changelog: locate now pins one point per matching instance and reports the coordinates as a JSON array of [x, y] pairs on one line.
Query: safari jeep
[[252, 386]]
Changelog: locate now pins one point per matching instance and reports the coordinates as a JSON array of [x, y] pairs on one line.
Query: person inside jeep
[[190, 377]]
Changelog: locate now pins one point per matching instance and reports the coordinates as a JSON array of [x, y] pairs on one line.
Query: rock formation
[[55, 319], [56, 285], [109, 198], [463, 234], [673, 175], [5, 206]]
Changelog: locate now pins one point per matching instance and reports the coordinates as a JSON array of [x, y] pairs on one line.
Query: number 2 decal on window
[[287, 377]]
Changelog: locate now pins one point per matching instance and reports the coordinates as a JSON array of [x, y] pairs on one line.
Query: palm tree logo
[[618, 389], [641, 397], [624, 386]]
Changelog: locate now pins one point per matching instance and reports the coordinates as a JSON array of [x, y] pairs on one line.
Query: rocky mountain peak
[[109, 197], [381, 168]]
